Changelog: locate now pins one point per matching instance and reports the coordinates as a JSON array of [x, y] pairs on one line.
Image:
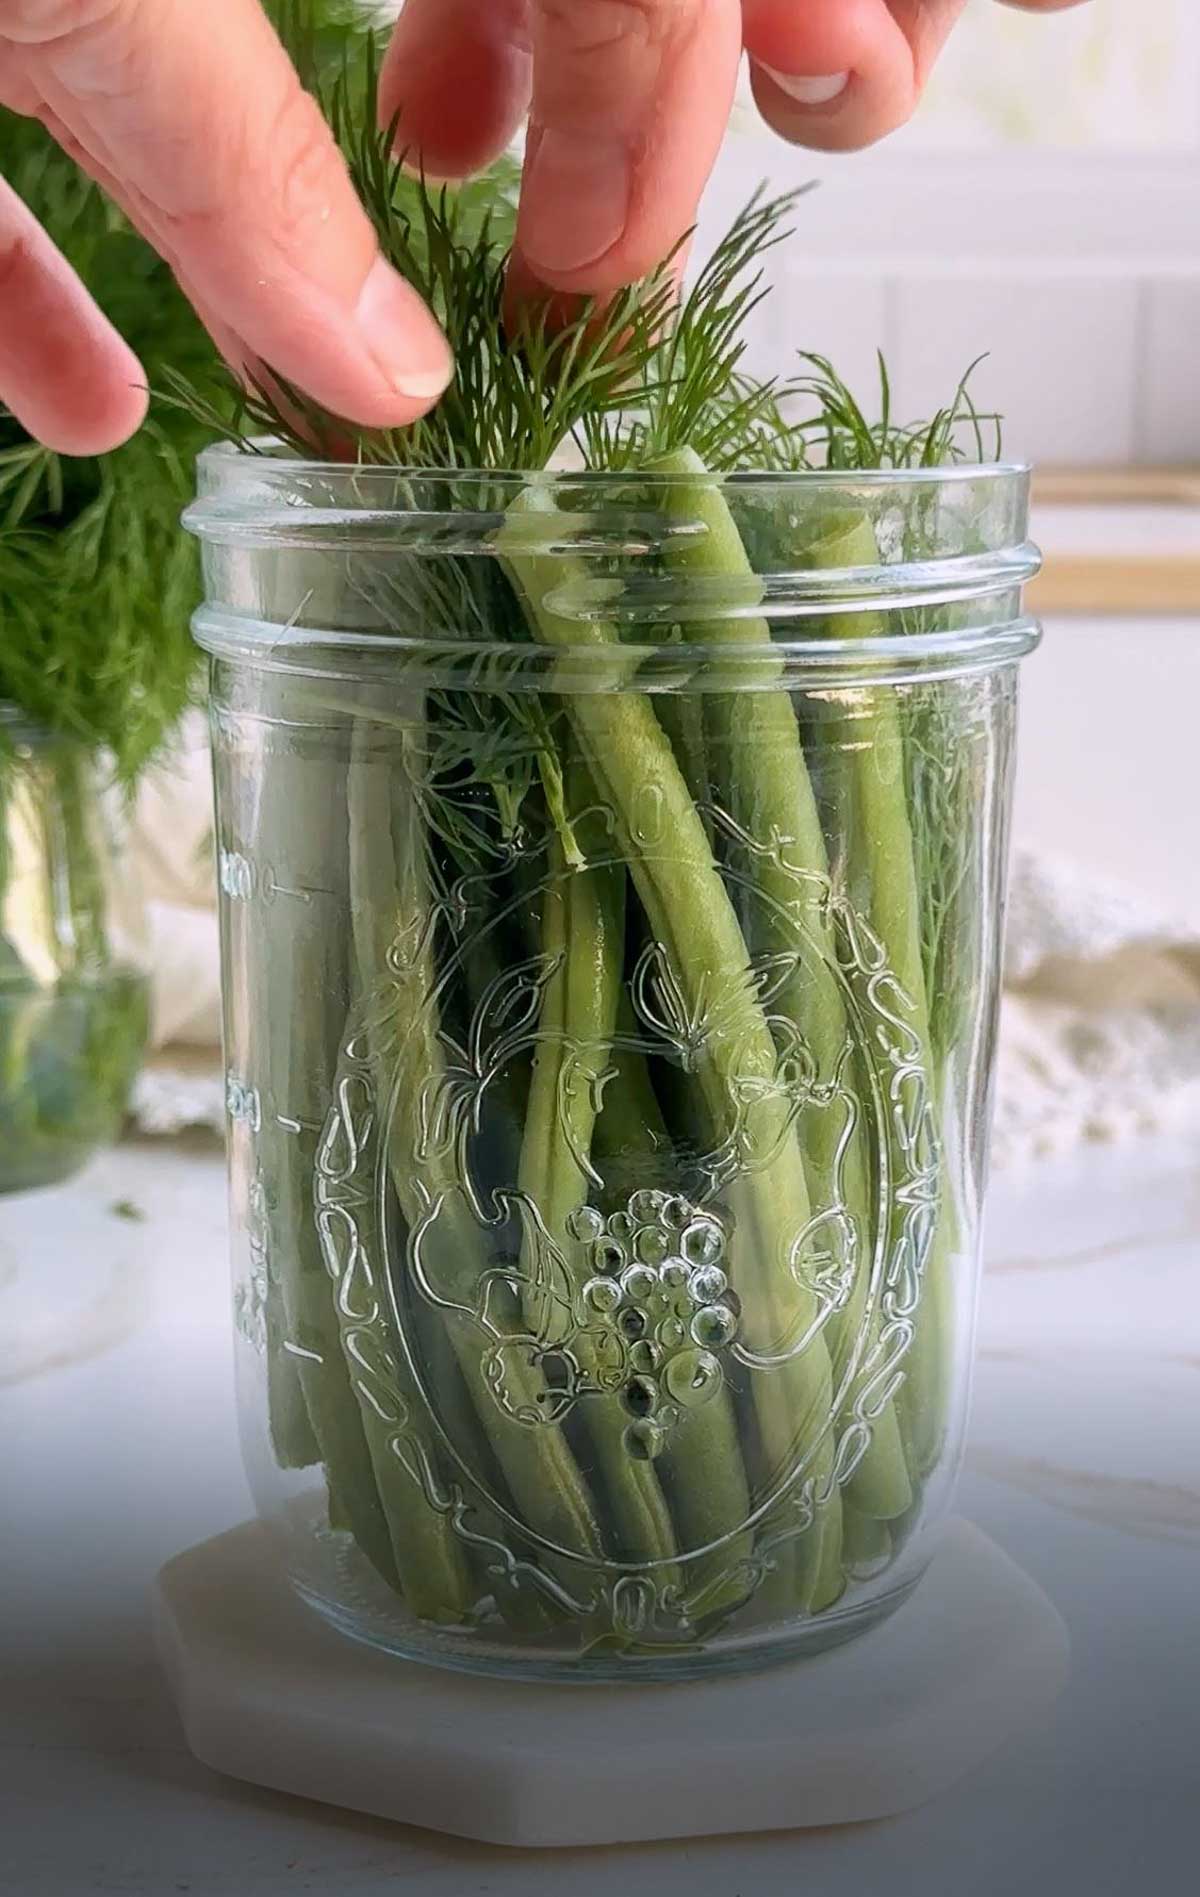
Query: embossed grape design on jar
[[612, 943], [657, 1278]]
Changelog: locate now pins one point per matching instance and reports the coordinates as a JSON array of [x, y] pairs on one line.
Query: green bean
[[757, 764], [729, 1041], [702, 1468], [281, 1194], [304, 953], [430, 1557], [535, 1457], [882, 875], [583, 934]]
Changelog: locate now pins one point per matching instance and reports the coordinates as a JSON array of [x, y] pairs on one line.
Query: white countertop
[[116, 1416]]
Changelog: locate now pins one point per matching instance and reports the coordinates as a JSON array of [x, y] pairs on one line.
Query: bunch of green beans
[[491, 1438]]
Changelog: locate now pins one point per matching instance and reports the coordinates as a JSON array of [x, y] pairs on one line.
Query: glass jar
[[612, 874], [73, 992]]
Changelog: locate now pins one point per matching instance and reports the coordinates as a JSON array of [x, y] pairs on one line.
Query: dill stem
[[72, 807], [72, 1017]]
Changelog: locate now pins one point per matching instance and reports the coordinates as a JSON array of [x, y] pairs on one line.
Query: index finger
[[64, 372], [630, 102]]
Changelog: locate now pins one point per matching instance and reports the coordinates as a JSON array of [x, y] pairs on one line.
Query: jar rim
[[263, 501], [256, 455]]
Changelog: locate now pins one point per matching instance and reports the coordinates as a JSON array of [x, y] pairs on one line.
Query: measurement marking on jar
[[298, 1350], [301, 892]]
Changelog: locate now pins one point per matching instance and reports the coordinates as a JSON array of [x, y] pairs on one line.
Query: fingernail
[[575, 200], [403, 340], [806, 91]]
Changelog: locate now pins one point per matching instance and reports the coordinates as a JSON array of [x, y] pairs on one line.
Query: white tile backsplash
[[1080, 276], [1106, 759], [1062, 353], [1169, 405], [836, 313], [1088, 367]]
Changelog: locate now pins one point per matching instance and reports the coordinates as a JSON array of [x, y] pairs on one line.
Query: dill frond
[[97, 582], [698, 395], [838, 435]]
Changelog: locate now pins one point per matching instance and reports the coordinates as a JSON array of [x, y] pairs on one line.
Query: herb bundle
[[97, 584], [96, 667], [605, 999], [97, 662]]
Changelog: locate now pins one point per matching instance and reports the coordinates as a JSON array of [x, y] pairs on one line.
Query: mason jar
[[73, 992], [612, 873]]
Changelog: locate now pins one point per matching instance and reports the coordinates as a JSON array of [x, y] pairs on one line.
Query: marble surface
[[119, 1449], [271, 1694]]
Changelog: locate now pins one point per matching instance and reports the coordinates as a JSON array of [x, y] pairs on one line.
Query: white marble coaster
[[268, 1692]]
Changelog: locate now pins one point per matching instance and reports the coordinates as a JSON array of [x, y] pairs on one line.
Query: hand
[[207, 141], [198, 128], [628, 102]]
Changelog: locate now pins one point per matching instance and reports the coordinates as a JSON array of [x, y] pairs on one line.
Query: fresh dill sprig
[[325, 39], [518, 392], [640, 378], [645, 376], [838, 434], [698, 395]]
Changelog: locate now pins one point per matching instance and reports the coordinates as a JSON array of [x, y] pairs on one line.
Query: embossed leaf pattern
[[639, 1294]]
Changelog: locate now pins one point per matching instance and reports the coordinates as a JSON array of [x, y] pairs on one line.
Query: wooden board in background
[[1122, 487], [1124, 583], [1070, 583]]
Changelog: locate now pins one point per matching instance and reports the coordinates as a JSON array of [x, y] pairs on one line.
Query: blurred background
[[1041, 208]]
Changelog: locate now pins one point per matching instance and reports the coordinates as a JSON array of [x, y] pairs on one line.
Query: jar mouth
[[267, 456], [625, 559]]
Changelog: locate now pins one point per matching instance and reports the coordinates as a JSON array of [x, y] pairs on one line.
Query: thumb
[[225, 163], [630, 103]]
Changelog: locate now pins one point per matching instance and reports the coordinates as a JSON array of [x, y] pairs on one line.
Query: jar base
[[50, 1169], [331, 1576], [269, 1694], [462, 1651]]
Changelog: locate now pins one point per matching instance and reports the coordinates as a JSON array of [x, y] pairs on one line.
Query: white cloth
[[1100, 1038]]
